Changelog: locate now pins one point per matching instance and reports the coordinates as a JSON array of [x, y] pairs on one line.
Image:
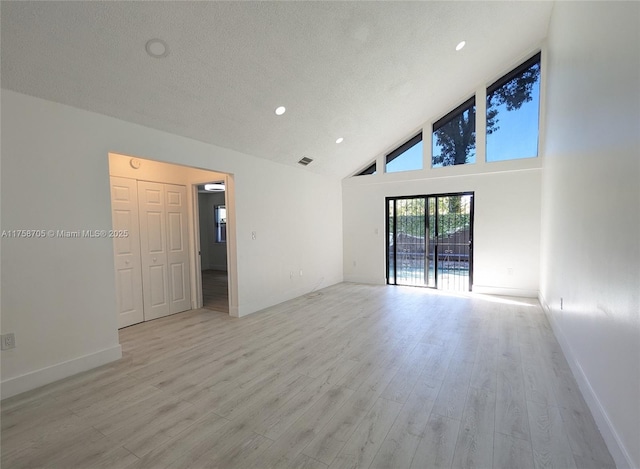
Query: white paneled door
[[177, 248], [152, 263], [153, 247], [164, 251], [124, 204]]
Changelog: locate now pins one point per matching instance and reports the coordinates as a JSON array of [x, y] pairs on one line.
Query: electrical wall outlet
[[8, 341]]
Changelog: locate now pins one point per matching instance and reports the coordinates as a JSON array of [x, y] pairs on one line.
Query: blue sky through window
[[408, 161], [514, 134], [517, 135]]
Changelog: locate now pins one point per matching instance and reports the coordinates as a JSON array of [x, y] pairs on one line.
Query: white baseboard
[[607, 430], [367, 280], [482, 289], [505, 291], [267, 302], [35, 379]]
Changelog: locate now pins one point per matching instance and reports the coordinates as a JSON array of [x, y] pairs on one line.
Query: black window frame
[[371, 169], [448, 117], [535, 59], [389, 157]]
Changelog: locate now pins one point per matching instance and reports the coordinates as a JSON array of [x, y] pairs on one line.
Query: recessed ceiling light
[[157, 48], [340, 140], [460, 45], [280, 110]]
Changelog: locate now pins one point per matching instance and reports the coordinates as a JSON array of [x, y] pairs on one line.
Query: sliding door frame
[[392, 200]]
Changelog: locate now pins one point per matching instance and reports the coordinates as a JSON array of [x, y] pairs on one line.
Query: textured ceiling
[[371, 72]]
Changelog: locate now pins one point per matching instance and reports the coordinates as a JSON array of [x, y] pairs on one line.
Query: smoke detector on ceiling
[[157, 48]]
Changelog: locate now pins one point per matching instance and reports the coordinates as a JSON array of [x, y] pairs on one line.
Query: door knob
[[154, 259]]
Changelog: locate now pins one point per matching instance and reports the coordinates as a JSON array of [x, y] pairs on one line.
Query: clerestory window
[[407, 157], [454, 136], [513, 107]]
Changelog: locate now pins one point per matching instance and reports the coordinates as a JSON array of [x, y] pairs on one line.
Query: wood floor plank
[[584, 437], [511, 408], [188, 446], [36, 450], [352, 375], [508, 336], [405, 379], [453, 392], [537, 383], [90, 449], [153, 429], [326, 445], [474, 447], [437, 445], [335, 373], [305, 462], [438, 359], [289, 446], [359, 451], [485, 368], [549, 439], [235, 448], [275, 424], [511, 452], [403, 438], [38, 427], [270, 393]]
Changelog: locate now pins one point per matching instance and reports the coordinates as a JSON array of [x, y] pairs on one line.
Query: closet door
[[124, 212], [177, 248], [153, 245]]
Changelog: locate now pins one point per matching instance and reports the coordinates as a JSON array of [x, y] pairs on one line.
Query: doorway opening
[[155, 206], [430, 241], [212, 215]]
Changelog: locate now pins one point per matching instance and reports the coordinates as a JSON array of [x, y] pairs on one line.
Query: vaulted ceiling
[[370, 72]]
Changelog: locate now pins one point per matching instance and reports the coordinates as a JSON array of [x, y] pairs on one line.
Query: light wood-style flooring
[[352, 376], [215, 292]]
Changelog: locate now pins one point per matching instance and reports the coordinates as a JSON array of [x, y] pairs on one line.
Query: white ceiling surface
[[371, 72]]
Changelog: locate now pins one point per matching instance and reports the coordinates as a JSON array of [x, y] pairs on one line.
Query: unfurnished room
[[320, 234]]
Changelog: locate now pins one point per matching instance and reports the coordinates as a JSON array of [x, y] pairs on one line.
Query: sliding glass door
[[430, 241], [407, 247]]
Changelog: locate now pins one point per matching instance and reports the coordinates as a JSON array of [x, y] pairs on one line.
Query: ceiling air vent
[[305, 161]]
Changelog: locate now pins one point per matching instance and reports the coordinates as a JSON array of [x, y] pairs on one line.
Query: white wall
[[506, 225], [507, 206], [591, 221], [58, 295]]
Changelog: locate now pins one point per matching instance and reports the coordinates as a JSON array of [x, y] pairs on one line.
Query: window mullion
[[481, 126]]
